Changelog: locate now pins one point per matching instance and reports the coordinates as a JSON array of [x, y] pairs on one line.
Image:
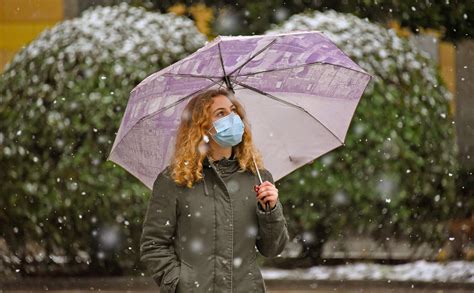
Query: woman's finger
[[266, 199], [262, 194], [269, 198], [265, 183], [267, 188]]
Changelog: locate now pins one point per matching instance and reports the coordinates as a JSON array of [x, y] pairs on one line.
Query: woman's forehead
[[221, 101]]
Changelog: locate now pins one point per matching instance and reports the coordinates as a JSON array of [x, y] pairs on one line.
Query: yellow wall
[[21, 21], [202, 15]]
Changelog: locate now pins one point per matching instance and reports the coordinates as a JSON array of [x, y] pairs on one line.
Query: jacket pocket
[[170, 280], [251, 279], [187, 278], [250, 283], [258, 282]]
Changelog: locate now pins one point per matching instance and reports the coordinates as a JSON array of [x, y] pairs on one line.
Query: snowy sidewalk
[[454, 271], [415, 277]]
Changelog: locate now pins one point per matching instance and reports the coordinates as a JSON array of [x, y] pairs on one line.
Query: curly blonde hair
[[190, 150]]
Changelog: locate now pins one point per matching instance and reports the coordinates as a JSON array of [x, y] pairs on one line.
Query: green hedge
[[395, 177], [64, 208]]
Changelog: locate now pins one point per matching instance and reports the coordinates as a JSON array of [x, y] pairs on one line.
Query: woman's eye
[[220, 113]]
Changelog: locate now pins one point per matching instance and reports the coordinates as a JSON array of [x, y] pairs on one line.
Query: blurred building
[[456, 64]]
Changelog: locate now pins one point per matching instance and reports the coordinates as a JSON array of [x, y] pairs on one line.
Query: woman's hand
[[267, 192]]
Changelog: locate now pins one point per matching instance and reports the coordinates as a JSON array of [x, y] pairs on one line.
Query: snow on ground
[[454, 271]]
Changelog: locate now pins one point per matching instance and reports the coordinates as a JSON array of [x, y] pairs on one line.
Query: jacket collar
[[224, 166], [222, 163]]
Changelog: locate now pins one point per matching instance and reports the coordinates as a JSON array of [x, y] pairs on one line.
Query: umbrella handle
[[267, 205]]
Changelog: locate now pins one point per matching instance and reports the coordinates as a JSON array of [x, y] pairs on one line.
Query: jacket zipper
[[232, 225]]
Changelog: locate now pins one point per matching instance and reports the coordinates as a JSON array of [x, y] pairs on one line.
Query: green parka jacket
[[205, 238]]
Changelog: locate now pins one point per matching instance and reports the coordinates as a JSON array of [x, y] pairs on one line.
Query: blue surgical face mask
[[229, 130]]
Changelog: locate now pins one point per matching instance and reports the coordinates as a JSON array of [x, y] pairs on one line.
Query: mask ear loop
[[206, 137]]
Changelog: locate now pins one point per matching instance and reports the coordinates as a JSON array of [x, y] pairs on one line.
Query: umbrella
[[299, 91]]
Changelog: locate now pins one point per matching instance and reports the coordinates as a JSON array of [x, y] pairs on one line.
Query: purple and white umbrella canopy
[[298, 89]]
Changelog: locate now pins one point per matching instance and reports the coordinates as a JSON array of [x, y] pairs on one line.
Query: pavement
[[146, 284]]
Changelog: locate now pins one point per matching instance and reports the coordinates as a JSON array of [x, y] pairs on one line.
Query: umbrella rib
[[193, 75], [190, 75], [161, 110], [301, 65], [175, 103], [226, 78], [255, 55], [287, 103], [220, 58]]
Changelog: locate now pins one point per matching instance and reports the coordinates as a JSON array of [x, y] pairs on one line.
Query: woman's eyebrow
[[233, 106]]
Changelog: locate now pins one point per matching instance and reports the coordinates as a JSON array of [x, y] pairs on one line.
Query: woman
[[205, 220]]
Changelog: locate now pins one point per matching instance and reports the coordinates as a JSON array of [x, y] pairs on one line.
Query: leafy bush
[[395, 176], [61, 101]]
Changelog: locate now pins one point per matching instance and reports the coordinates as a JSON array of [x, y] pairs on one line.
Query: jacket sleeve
[[156, 242], [272, 234]]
